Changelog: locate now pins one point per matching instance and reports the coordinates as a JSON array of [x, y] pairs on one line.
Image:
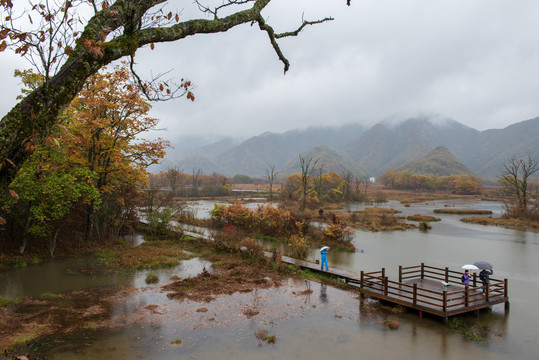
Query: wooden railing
[[444, 298]]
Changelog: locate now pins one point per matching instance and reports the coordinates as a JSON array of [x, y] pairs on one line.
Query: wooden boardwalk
[[428, 289]]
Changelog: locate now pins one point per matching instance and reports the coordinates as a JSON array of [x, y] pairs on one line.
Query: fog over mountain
[[388, 144]]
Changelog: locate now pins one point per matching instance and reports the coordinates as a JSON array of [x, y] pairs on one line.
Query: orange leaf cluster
[[94, 47], [6, 3]]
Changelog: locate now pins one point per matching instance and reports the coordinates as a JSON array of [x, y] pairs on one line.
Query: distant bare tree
[[366, 183], [151, 193], [195, 179], [319, 186], [270, 176], [175, 178], [515, 181], [307, 168], [347, 176], [357, 187]]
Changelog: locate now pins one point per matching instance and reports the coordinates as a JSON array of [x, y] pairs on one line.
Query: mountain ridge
[[374, 150]]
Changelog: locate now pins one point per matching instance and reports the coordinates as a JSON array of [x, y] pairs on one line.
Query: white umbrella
[[470, 267], [324, 248]]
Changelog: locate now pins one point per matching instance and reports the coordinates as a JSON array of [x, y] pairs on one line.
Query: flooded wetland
[[301, 319]]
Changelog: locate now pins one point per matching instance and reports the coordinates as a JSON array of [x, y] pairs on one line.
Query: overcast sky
[[475, 61]]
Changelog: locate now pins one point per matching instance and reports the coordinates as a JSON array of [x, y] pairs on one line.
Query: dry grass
[[145, 256], [261, 334], [505, 222], [393, 324], [375, 219], [223, 281], [423, 218], [250, 312], [462, 211]]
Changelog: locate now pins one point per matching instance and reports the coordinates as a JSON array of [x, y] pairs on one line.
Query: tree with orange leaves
[[91, 166], [109, 115]]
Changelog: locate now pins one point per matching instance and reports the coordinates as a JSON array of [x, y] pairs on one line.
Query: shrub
[[338, 232], [159, 221], [265, 220], [228, 239], [424, 226], [298, 246], [152, 279], [6, 302], [251, 249]]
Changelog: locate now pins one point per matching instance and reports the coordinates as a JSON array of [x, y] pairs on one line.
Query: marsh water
[[328, 322]]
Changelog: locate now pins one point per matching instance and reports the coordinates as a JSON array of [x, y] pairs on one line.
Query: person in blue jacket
[[324, 256]]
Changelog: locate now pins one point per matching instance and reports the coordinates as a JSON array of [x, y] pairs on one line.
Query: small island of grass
[[462, 211], [506, 222], [422, 218]]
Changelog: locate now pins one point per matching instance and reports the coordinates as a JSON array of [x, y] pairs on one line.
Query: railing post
[[415, 294], [422, 270], [444, 299], [361, 286], [400, 273], [383, 273], [466, 296], [506, 294], [487, 292], [474, 280], [446, 274], [385, 286]]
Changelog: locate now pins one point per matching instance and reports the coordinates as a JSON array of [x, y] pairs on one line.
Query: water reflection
[[201, 208], [133, 239], [323, 293]]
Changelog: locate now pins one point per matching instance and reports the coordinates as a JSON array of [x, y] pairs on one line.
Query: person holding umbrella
[[484, 275], [324, 257], [466, 279]]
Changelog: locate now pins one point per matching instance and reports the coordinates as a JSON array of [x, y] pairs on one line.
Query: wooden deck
[[437, 291]]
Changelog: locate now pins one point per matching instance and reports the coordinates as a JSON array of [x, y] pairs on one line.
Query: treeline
[[321, 188], [458, 184], [190, 184], [82, 183], [325, 188]]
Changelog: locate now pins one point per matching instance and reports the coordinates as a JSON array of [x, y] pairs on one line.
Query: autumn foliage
[[264, 220], [237, 220], [83, 181], [457, 184]]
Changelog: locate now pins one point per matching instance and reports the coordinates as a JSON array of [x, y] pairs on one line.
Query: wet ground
[[305, 320]]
